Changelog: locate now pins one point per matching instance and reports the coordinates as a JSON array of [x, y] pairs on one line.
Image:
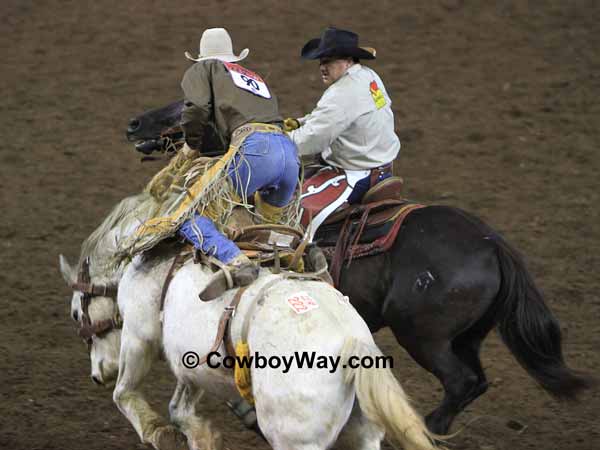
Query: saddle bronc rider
[[352, 126], [239, 103]]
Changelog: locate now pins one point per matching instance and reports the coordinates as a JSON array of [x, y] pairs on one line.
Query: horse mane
[[97, 246]]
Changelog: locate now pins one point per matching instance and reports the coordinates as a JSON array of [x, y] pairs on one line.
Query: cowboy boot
[[318, 263], [242, 272], [268, 213]]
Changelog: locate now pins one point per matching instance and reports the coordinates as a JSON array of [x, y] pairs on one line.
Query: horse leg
[[135, 361], [282, 445], [457, 378], [294, 419], [182, 411], [467, 346], [359, 433], [298, 432]]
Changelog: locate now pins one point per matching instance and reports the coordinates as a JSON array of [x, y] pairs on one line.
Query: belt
[[255, 127], [377, 172]]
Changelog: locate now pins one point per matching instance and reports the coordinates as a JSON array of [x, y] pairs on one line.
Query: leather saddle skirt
[[378, 223], [383, 200]]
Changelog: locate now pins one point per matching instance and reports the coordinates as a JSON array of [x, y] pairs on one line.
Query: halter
[[88, 329]]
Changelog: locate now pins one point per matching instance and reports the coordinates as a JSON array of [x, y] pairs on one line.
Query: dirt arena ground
[[497, 109]]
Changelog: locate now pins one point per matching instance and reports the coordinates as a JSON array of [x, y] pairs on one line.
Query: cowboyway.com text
[[301, 360]]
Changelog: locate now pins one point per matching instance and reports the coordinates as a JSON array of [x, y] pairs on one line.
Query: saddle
[[365, 229], [386, 194], [282, 248]]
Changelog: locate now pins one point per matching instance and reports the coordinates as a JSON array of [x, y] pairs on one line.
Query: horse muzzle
[[149, 146], [134, 126]]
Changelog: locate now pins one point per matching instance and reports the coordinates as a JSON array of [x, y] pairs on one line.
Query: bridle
[[88, 329], [171, 139], [169, 142]]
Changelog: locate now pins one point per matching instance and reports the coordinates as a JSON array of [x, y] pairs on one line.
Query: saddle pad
[[349, 245], [383, 243], [378, 224]]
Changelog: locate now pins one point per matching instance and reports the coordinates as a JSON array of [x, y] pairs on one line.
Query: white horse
[[303, 408]]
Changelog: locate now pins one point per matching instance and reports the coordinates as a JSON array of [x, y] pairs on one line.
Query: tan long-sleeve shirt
[[352, 125], [212, 96]]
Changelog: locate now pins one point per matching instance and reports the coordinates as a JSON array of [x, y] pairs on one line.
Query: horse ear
[[66, 270]]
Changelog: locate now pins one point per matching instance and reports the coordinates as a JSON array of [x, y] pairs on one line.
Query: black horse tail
[[530, 330]]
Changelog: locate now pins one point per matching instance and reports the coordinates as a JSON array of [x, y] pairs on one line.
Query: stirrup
[[247, 414]]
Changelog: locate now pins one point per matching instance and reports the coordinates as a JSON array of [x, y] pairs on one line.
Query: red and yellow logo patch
[[377, 95]]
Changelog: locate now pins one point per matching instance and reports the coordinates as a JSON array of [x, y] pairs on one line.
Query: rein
[[88, 329], [168, 142]]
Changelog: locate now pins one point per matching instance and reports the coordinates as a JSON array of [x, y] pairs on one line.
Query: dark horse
[[446, 282]]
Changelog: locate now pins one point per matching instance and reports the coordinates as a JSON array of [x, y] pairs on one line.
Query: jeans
[[266, 162], [362, 186]]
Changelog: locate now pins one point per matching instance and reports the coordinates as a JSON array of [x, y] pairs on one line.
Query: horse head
[[94, 284], [155, 129], [94, 309], [159, 130]]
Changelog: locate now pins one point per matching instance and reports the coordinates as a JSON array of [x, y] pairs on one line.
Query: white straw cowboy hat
[[216, 44]]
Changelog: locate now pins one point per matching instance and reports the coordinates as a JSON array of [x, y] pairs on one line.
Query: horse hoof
[[436, 425], [206, 438], [169, 438]]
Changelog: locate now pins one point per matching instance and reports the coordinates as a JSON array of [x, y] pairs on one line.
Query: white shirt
[[352, 125]]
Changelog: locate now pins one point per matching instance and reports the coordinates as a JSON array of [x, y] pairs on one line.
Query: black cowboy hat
[[335, 42]]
